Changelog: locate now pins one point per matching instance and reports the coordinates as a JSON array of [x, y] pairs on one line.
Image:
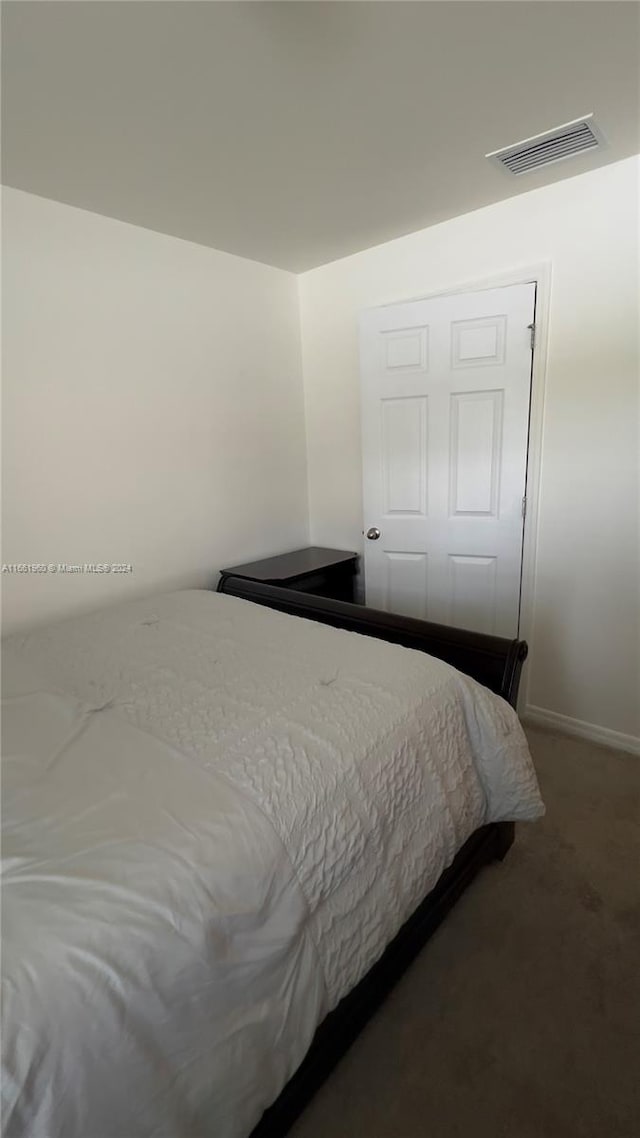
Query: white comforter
[[215, 818]]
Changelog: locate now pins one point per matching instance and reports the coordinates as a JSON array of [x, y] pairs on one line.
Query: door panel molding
[[404, 422], [469, 495], [479, 343]]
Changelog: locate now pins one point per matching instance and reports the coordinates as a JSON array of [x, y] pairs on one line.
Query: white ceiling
[[296, 133]]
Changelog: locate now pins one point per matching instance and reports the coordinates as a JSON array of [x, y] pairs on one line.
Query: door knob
[[373, 534]]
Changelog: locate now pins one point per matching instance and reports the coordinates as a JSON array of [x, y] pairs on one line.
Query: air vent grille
[[565, 141]]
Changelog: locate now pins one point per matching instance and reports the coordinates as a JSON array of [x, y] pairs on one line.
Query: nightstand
[[325, 572]]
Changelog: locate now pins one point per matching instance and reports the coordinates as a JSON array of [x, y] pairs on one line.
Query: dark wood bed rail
[[492, 660]]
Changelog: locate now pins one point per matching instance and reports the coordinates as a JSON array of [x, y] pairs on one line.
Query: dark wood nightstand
[[325, 572]]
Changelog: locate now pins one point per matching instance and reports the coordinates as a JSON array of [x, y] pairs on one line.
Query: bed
[[225, 831]]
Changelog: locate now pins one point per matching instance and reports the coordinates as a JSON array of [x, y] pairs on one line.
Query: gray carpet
[[521, 1016]]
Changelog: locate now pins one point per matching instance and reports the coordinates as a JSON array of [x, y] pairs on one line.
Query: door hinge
[[524, 506], [532, 330]]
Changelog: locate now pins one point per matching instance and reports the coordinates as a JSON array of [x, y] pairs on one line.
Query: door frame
[[538, 273]]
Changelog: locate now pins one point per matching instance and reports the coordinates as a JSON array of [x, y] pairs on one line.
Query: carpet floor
[[521, 1016]]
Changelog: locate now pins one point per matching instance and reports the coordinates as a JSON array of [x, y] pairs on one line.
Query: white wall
[[584, 635], [153, 413], [152, 409]]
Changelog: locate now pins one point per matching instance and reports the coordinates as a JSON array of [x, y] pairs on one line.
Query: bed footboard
[[492, 660]]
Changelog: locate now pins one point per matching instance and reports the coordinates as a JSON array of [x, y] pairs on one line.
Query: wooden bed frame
[[494, 662]]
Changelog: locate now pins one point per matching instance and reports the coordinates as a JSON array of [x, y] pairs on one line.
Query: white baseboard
[[541, 717]]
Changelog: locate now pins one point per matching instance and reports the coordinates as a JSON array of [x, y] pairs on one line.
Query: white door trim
[[541, 273]]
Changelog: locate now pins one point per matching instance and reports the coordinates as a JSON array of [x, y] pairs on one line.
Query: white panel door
[[445, 417]]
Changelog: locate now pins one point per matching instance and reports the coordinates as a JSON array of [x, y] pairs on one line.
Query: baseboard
[[541, 717]]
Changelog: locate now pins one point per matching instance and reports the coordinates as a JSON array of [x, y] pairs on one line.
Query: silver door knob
[[373, 534]]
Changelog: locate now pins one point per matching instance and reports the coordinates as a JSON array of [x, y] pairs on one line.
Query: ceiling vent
[[555, 145]]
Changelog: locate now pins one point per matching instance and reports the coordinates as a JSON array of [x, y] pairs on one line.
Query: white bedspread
[[215, 818]]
